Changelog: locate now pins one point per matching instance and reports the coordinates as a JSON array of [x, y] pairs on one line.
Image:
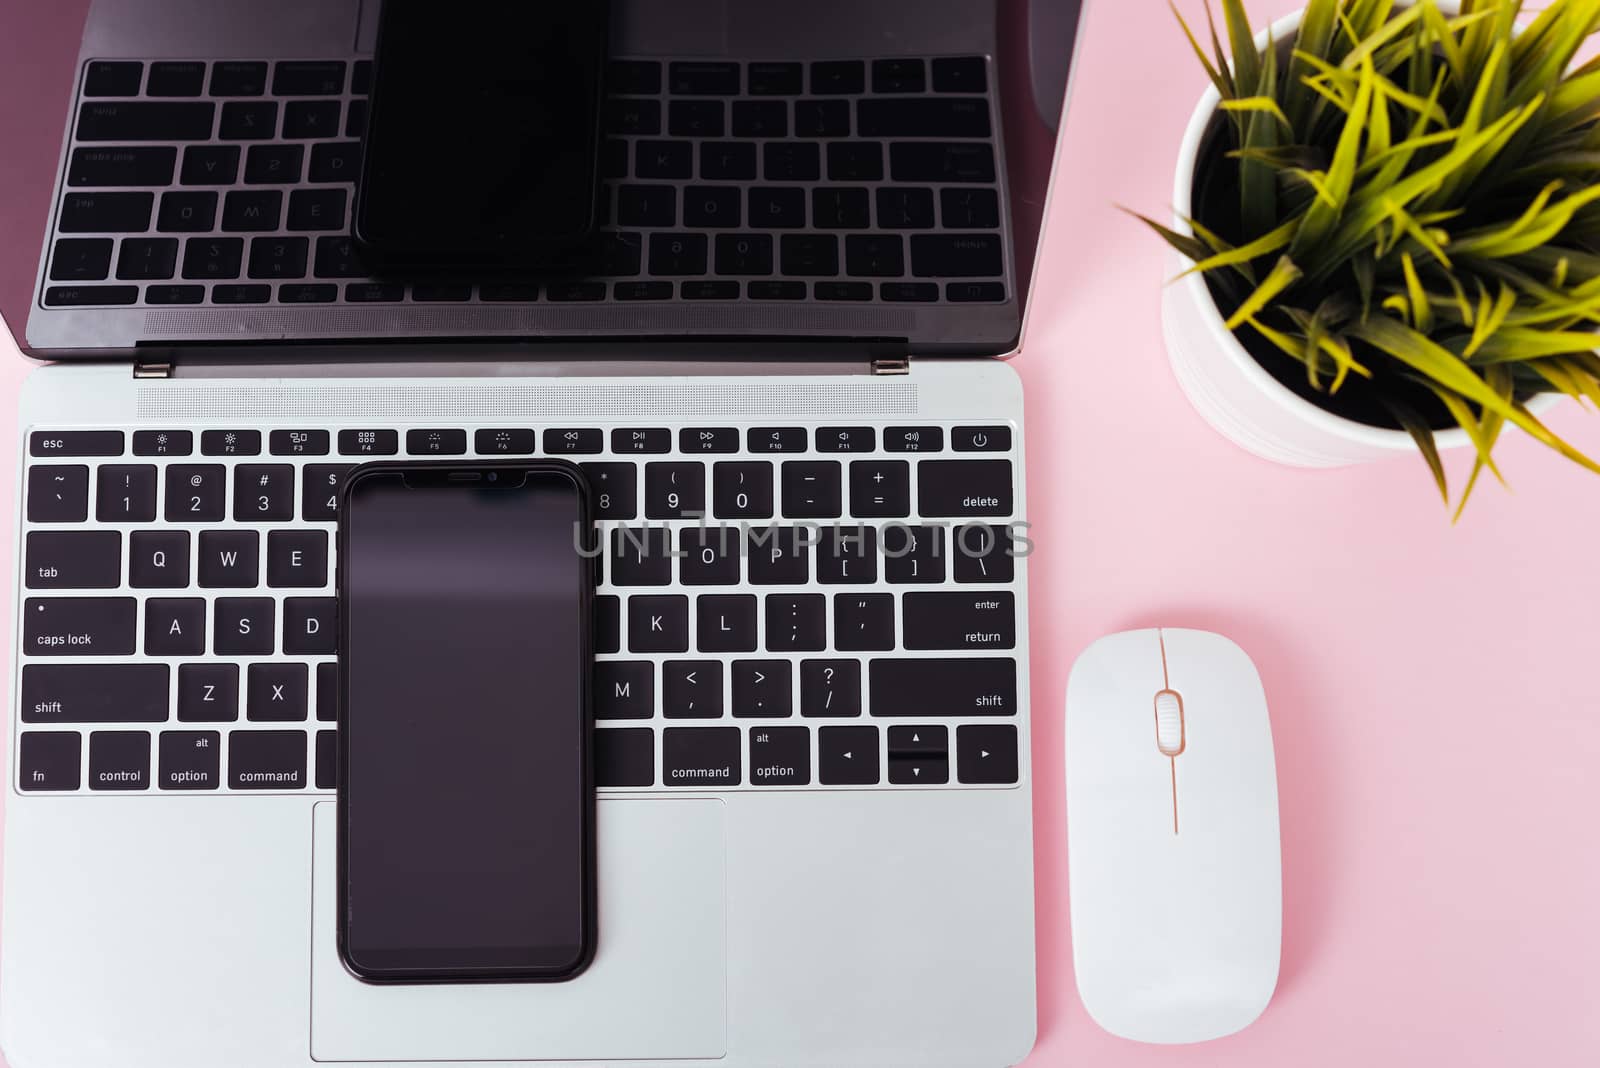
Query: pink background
[[1435, 704]]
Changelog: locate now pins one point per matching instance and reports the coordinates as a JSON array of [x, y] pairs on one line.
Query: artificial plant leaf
[[1258, 185], [1246, 57], [1422, 434], [1192, 247], [1261, 246], [1224, 87], [1283, 275], [1323, 215], [1311, 42]]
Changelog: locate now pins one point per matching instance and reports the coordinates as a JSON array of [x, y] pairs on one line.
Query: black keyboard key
[[336, 258], [267, 760], [920, 292], [946, 686], [874, 254], [760, 118], [710, 556], [178, 78], [796, 622], [726, 623], [620, 254], [255, 120], [855, 161], [252, 210], [436, 442], [839, 209], [298, 442], [934, 161], [89, 296], [919, 769], [50, 760], [775, 290], [762, 690], [275, 693], [775, 79], [207, 693], [76, 443], [505, 442], [327, 692], [190, 760], [658, 624], [647, 205], [727, 161], [960, 620], [695, 118], [913, 439], [919, 741], [158, 559], [986, 754], [780, 756], [374, 292], [243, 626], [119, 760], [863, 621], [821, 118], [77, 560], [308, 119], [58, 494], [778, 207], [640, 556], [422, 291], [238, 79], [561, 441], [187, 213], [195, 493], [703, 78], [113, 78], [124, 165], [847, 555], [611, 488], [777, 439], [641, 440], [790, 161], [700, 757], [711, 206], [278, 257], [838, 76], [742, 490], [898, 76], [956, 255], [635, 117], [677, 254], [79, 626], [310, 626], [709, 290], [843, 290], [274, 164], [708, 439], [327, 760], [230, 559], [691, 689], [956, 488], [902, 208], [924, 117], [174, 294], [744, 254], [981, 439], [231, 294], [960, 74], [146, 258], [608, 623], [361, 77], [145, 121], [913, 554], [335, 161], [809, 254], [880, 489], [983, 554], [633, 77], [830, 689], [625, 757], [847, 756], [297, 559], [970, 209], [230, 442], [212, 257], [811, 489], [320, 493], [368, 442], [846, 439], [614, 154], [674, 490], [174, 626], [355, 120], [126, 493], [316, 77], [779, 556], [94, 693], [624, 689], [81, 259]]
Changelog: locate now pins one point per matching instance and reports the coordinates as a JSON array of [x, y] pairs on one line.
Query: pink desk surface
[[1435, 702]]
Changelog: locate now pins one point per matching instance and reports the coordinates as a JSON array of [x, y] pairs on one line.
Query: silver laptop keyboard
[[778, 606], [231, 183]]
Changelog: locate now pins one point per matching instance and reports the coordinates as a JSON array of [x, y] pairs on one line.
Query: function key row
[[181, 78], [952, 74], [516, 441]]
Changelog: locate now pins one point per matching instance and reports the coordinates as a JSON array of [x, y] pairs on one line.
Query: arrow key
[[847, 756], [918, 741], [919, 770], [986, 754]]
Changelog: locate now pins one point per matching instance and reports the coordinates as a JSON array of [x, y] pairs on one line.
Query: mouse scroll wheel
[[1169, 723]]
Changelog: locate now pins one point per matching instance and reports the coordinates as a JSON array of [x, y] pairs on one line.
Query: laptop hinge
[[152, 368], [891, 365]]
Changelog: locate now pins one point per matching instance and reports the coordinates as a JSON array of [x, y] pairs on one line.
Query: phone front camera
[[493, 476]]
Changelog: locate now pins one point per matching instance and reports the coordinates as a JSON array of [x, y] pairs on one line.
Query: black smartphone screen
[[482, 144], [466, 801]]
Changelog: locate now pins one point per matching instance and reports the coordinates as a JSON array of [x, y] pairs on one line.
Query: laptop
[[815, 814]]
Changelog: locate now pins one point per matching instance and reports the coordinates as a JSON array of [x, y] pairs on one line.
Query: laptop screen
[[184, 173]]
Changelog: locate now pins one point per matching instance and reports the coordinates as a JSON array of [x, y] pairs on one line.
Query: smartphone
[[466, 796], [482, 140]]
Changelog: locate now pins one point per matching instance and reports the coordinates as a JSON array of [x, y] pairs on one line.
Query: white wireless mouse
[[1172, 836]]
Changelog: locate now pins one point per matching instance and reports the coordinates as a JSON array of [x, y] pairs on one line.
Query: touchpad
[[660, 965]]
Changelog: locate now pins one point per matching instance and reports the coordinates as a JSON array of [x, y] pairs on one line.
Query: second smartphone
[[466, 796]]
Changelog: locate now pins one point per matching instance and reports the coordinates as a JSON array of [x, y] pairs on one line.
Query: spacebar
[[944, 687]]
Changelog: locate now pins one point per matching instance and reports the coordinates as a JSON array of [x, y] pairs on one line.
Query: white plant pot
[[1226, 384]]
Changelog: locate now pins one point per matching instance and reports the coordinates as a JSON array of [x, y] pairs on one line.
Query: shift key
[[952, 488], [944, 687], [79, 626], [94, 693]]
